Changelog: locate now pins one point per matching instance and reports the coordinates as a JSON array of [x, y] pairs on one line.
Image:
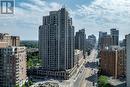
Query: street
[[88, 76], [91, 70]]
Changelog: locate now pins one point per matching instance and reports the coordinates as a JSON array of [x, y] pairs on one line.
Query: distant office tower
[[113, 61], [12, 65], [106, 41], [80, 38], [56, 44], [92, 39], [123, 43], [101, 34], [128, 59], [11, 40], [90, 43], [115, 36], [88, 46]]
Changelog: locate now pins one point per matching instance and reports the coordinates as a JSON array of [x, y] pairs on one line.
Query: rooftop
[[116, 82], [114, 48]]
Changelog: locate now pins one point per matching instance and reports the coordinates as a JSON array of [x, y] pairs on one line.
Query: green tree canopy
[[103, 81]]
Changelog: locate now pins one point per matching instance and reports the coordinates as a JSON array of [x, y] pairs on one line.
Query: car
[[93, 83]]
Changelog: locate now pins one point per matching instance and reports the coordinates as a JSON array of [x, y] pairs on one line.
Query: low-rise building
[[78, 57]]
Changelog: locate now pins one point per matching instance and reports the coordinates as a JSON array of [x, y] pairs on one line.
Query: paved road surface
[[92, 69], [87, 76]]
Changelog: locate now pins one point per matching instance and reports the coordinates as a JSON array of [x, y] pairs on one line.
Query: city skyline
[[68, 52], [93, 15]]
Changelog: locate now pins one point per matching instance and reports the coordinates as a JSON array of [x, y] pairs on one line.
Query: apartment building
[[11, 40], [56, 44], [128, 59], [80, 39], [113, 61], [12, 66]]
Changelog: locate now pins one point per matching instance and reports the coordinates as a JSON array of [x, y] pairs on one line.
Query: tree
[[30, 83], [16, 85], [103, 81], [23, 85]]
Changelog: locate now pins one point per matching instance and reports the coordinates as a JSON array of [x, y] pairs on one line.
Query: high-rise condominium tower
[[115, 36], [128, 59], [101, 35], [80, 38], [56, 43]]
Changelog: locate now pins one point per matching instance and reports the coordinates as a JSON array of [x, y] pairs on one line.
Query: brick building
[[113, 61]]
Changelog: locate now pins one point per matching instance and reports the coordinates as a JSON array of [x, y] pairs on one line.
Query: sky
[[93, 15]]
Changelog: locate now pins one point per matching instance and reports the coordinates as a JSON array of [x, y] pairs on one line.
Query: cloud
[[103, 15], [99, 15], [106, 9], [38, 2], [27, 18]]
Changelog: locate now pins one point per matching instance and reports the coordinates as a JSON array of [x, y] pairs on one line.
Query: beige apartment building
[[12, 66], [12, 61], [11, 40], [3, 44]]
